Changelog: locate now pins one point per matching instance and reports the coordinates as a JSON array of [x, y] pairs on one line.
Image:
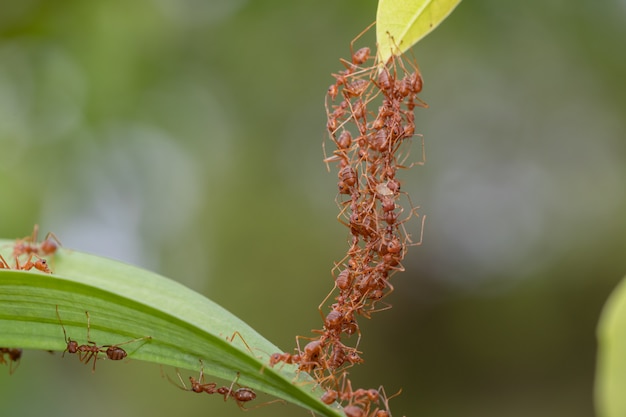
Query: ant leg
[[88, 327], [93, 351], [3, 263], [359, 57], [180, 378], [230, 389], [116, 353], [201, 376], [33, 237], [232, 338]]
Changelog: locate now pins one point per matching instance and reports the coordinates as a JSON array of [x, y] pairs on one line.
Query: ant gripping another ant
[[241, 395], [360, 402], [91, 350]]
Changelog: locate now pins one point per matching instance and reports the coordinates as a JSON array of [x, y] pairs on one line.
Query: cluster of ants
[[28, 248], [370, 125], [31, 252], [28, 253]]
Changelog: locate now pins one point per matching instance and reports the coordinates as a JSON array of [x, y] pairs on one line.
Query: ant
[[385, 400], [312, 356], [39, 264], [361, 55], [288, 358], [14, 355], [307, 360], [361, 397], [241, 395], [29, 245], [197, 385], [91, 350]]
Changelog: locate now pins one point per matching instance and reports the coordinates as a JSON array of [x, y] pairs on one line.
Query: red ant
[[39, 264], [91, 351], [288, 358], [361, 55], [29, 245], [197, 385], [385, 400], [359, 401], [312, 355], [241, 395], [307, 359], [342, 354], [14, 355]]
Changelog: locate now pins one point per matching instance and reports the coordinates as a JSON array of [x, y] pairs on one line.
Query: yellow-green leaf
[[125, 303], [400, 24], [610, 384]]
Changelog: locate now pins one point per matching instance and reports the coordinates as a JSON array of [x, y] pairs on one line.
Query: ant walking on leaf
[[91, 351], [39, 264], [240, 395]]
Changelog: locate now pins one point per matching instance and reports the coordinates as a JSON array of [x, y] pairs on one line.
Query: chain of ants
[[369, 151]]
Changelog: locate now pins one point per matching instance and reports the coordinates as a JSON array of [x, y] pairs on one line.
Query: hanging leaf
[[400, 24], [126, 303]]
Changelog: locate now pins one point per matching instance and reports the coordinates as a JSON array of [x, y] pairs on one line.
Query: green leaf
[[610, 381], [125, 303], [400, 24]]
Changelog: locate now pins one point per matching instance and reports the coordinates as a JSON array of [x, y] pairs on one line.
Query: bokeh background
[[185, 136]]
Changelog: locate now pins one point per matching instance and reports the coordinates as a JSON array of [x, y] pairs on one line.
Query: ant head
[[72, 346], [42, 266]]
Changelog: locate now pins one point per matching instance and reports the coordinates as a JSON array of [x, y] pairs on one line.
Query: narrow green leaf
[[610, 383], [400, 24], [125, 303]]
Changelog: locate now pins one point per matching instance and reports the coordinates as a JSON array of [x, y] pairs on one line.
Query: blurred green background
[[185, 136]]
